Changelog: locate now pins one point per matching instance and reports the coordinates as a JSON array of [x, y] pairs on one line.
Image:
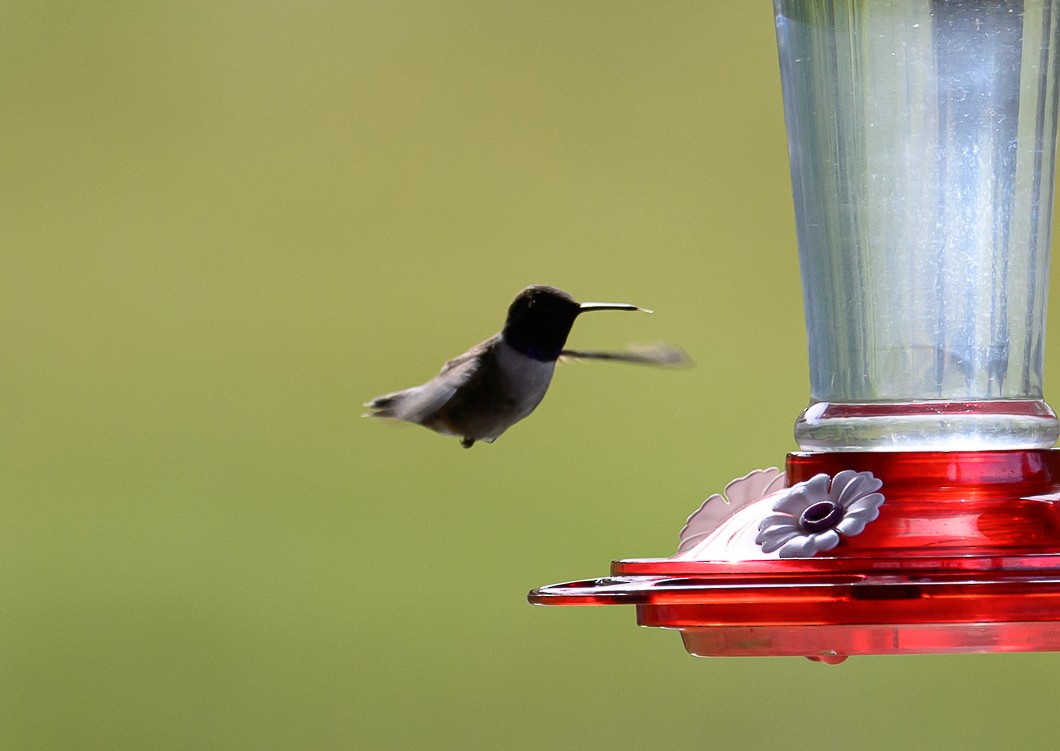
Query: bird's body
[[495, 384], [476, 396]]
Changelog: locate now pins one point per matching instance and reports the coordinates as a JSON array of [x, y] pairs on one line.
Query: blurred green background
[[226, 225]]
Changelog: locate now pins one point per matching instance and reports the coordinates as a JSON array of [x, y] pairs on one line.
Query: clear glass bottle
[[922, 137]]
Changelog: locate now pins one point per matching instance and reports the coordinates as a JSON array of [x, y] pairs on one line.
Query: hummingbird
[[495, 384]]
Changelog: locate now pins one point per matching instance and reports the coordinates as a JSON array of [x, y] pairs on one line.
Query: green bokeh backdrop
[[225, 225]]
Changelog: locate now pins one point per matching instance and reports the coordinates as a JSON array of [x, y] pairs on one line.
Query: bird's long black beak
[[585, 307]]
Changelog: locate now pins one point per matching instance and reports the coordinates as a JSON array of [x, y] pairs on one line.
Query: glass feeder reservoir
[[922, 137], [923, 512]]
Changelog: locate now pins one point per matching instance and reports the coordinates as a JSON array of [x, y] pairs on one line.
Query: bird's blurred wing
[[646, 354]]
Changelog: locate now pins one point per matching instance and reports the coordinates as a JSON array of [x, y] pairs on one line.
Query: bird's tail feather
[[383, 406]]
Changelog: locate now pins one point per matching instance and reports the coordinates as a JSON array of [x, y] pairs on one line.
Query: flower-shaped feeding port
[[759, 517], [811, 516]]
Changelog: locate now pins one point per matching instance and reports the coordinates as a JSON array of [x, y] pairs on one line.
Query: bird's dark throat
[[535, 351], [541, 337]]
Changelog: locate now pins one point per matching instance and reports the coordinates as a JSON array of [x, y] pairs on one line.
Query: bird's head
[[540, 319]]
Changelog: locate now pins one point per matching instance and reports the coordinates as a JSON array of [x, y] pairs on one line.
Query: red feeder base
[[964, 557]]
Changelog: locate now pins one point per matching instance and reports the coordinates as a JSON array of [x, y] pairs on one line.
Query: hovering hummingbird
[[493, 385]]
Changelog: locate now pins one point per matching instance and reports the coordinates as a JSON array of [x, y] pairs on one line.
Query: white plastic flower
[[703, 527], [811, 515]]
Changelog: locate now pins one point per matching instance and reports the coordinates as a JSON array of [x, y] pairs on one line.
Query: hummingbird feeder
[[922, 514]]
